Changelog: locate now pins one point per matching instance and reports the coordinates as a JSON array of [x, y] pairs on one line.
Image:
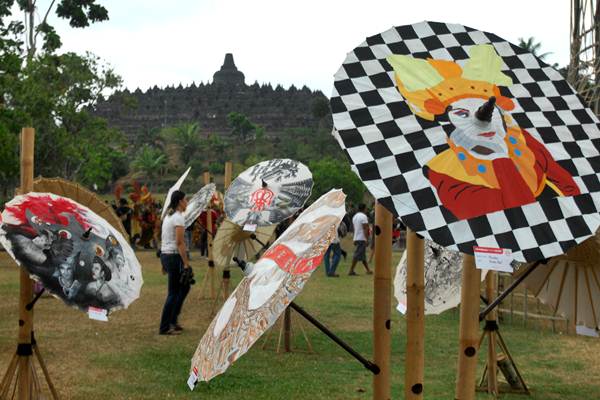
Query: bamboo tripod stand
[[489, 379], [21, 378], [286, 334], [415, 312]]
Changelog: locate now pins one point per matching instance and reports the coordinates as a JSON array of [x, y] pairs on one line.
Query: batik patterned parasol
[[269, 286], [173, 188], [198, 203], [232, 241], [520, 173], [74, 253], [443, 269], [268, 192]]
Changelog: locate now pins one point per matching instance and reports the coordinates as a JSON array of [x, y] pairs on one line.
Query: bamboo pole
[[209, 243], [228, 174], [491, 280], [287, 330], [226, 183], [382, 302], [26, 285], [469, 330], [415, 313]]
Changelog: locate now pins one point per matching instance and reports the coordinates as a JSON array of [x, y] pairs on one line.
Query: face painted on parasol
[[482, 139]]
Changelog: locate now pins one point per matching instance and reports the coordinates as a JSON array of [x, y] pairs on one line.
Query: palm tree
[[150, 161], [533, 47], [187, 138]]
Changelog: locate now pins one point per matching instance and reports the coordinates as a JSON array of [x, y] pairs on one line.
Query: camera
[[187, 277]]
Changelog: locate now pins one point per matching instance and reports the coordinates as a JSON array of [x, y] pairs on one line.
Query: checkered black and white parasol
[[397, 118]]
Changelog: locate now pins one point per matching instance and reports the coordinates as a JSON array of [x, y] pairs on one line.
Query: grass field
[[126, 358]]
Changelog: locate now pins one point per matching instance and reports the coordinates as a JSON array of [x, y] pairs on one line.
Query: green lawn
[[126, 359]]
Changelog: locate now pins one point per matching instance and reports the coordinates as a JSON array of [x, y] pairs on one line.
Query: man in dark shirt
[[125, 213]]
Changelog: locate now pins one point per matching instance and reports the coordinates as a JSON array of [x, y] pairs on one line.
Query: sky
[[158, 42]]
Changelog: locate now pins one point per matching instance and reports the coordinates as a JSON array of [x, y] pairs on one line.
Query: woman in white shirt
[[174, 259]]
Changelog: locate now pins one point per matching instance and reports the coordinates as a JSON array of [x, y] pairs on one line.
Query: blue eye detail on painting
[[512, 140], [462, 156], [518, 152], [481, 168]]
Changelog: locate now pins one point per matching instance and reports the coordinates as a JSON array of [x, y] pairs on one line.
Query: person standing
[[174, 260], [334, 252], [360, 223], [125, 213]]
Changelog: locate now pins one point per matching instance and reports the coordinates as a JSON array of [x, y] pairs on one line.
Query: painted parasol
[[173, 188], [269, 286], [81, 195], [470, 140], [570, 283], [232, 241], [268, 192], [77, 255], [443, 269], [198, 203]]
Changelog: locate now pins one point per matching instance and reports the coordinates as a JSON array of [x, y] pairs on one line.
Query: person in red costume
[[492, 164]]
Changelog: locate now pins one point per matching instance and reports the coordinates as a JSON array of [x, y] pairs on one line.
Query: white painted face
[[482, 139]]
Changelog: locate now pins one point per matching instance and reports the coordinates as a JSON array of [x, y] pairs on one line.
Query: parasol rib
[[560, 290], [543, 281]]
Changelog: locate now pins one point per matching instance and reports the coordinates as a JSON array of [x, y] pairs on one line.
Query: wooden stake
[[206, 177], [228, 174], [491, 281], [415, 317], [287, 330], [26, 285], [382, 301], [469, 330]]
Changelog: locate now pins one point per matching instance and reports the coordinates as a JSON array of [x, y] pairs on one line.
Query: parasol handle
[[253, 237], [241, 263], [29, 306], [366, 363], [509, 289]]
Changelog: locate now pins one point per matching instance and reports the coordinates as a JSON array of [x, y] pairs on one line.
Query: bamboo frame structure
[[415, 317], [469, 330], [21, 369], [382, 300]]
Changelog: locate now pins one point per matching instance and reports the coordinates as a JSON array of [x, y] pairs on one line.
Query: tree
[[150, 161], [329, 173], [241, 126], [533, 47], [187, 138], [54, 93]]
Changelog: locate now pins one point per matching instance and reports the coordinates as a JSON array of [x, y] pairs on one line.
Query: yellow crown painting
[[429, 85]]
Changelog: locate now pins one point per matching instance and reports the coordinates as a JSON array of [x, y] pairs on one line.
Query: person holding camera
[[175, 263]]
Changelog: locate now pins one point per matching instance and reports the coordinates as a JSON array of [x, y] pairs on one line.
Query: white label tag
[[585, 331], [493, 258], [99, 314], [193, 379], [250, 227]]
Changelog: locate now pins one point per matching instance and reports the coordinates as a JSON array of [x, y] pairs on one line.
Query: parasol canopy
[[81, 195], [268, 192], [77, 255], [232, 241], [470, 140], [269, 286], [570, 284], [443, 270], [198, 203], [173, 188]]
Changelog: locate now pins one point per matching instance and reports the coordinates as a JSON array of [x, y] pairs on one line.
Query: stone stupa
[[228, 74]]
